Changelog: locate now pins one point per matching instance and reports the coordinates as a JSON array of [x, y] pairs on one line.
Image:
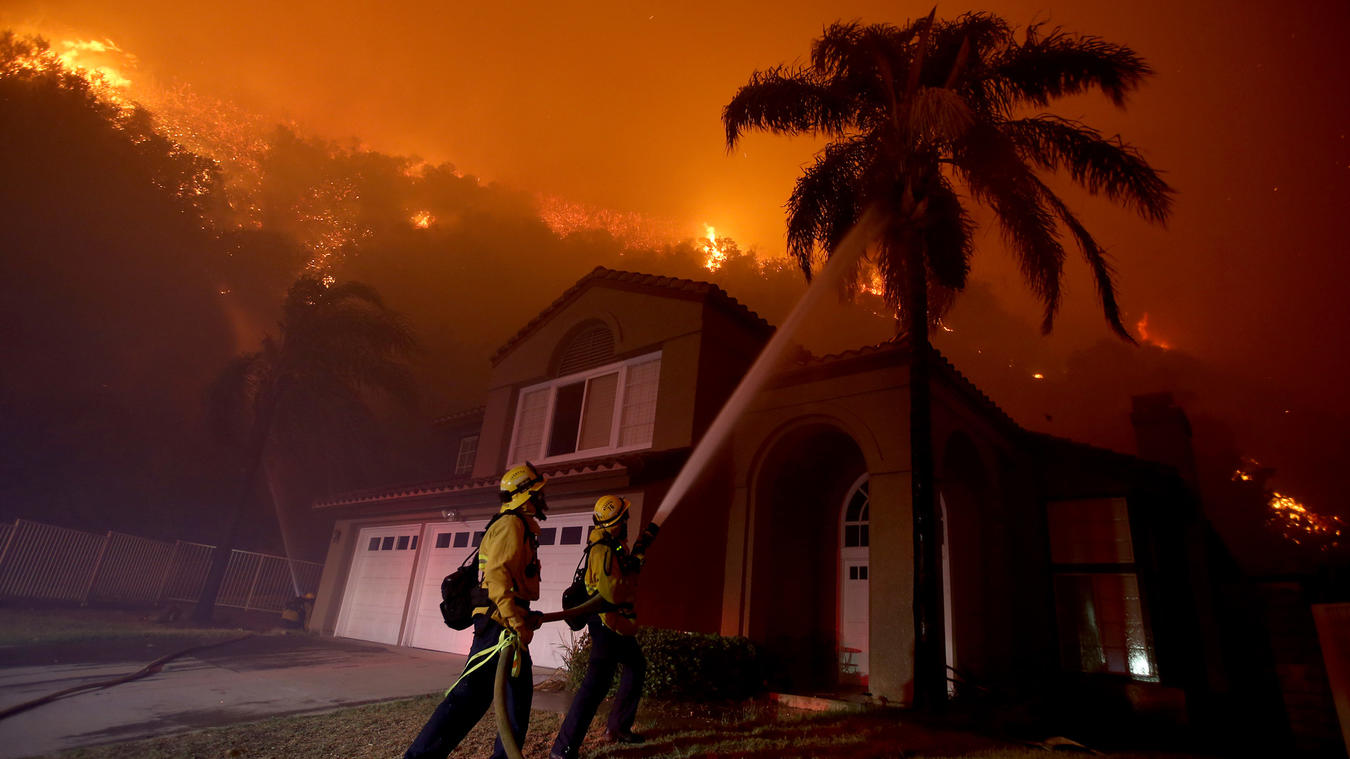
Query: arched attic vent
[[590, 345]]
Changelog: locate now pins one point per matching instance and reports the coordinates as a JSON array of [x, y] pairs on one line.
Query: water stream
[[824, 285]]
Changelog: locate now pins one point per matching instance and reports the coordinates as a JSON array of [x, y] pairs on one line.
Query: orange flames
[[714, 254], [631, 229], [1142, 328], [1294, 521], [423, 220]]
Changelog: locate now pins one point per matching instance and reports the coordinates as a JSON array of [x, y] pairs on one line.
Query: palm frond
[[1049, 66], [947, 237], [827, 200], [998, 178], [1093, 161], [1103, 273], [787, 101]]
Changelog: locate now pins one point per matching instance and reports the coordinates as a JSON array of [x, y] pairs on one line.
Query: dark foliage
[[684, 666]]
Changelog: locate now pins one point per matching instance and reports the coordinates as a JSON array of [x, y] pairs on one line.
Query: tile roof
[[688, 289], [634, 463]]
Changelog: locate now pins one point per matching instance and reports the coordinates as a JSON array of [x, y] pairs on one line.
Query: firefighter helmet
[[610, 510], [520, 486]]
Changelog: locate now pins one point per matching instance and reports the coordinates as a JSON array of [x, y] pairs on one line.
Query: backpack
[[576, 593], [462, 590]]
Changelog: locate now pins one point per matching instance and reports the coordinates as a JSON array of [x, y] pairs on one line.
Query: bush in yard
[[683, 666]]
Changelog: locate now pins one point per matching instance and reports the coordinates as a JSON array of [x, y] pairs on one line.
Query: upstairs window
[[468, 448], [1097, 602], [606, 409]]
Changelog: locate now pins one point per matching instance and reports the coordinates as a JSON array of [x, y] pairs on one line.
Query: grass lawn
[[673, 730], [21, 626]]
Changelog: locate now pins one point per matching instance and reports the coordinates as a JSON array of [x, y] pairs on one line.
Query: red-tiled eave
[[653, 464], [675, 287], [808, 367]]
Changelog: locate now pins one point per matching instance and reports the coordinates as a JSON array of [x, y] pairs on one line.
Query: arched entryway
[[797, 535]]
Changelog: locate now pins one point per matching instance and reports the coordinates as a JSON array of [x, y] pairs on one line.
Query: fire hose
[[147, 670], [504, 662]]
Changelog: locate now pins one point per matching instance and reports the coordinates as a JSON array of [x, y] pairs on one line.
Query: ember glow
[[631, 229], [423, 220], [1144, 337], [1294, 521]]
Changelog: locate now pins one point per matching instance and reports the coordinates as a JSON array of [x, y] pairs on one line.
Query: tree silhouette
[[914, 114], [335, 346]]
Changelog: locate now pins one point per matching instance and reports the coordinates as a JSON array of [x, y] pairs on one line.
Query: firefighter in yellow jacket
[[509, 560], [611, 571]]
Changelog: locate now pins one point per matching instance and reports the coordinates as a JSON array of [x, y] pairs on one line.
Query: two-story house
[[1058, 559]]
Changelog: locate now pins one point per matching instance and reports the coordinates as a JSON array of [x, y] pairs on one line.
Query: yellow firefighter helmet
[[610, 510], [521, 485]]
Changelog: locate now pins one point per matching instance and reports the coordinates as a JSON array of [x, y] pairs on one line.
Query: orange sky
[[618, 104]]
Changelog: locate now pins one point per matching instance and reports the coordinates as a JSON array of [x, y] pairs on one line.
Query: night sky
[[617, 105]]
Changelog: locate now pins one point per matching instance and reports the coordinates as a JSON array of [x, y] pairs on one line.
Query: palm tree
[[914, 116], [336, 344]]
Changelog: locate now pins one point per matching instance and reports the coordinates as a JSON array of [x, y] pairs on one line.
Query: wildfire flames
[[714, 255], [423, 220], [1144, 337], [632, 230], [1294, 521]]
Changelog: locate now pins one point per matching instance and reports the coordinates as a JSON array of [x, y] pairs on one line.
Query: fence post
[[98, 564], [168, 570], [253, 587]]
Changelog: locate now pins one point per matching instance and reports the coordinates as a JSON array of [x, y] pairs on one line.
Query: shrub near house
[[685, 666]]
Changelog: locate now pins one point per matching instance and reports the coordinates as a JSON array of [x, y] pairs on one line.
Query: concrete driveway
[[242, 681]]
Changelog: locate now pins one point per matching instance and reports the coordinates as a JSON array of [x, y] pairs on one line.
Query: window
[[468, 448], [605, 409], [462, 539], [547, 535], [477, 538], [1097, 603], [414, 543], [855, 519], [443, 539], [388, 544], [402, 542], [374, 544], [571, 536]]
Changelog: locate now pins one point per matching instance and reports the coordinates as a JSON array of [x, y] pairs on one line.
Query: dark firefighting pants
[[608, 650], [470, 699]]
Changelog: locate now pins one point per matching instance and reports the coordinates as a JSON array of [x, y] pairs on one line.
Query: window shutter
[[590, 348], [639, 404], [598, 418], [530, 425]]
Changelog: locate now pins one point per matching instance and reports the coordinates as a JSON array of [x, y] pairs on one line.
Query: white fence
[[41, 561]]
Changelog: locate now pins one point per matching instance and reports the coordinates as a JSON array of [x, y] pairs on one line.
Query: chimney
[[1162, 433]]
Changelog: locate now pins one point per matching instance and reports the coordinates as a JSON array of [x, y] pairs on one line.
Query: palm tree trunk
[[930, 665], [220, 558]]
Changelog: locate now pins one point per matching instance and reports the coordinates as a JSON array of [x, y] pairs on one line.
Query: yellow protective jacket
[[606, 575], [508, 557]]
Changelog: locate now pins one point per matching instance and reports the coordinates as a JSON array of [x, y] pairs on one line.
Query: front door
[[853, 595]]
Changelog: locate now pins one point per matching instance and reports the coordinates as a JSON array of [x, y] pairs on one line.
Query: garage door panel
[[558, 561], [445, 546], [377, 586]]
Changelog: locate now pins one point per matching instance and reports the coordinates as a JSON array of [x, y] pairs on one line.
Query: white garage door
[[446, 544], [377, 588]]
